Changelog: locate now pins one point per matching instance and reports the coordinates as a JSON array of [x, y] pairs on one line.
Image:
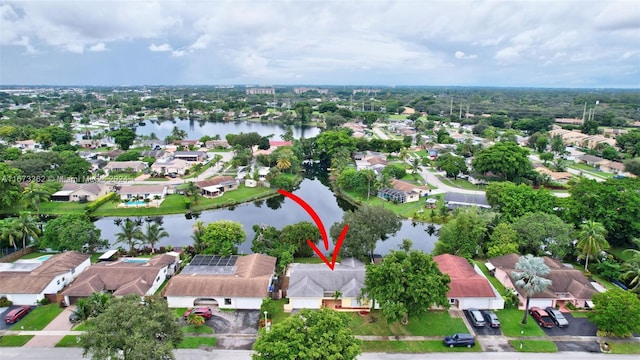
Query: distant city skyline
[[458, 43]]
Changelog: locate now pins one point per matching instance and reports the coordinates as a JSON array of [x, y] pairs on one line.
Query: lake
[[198, 129], [278, 212]]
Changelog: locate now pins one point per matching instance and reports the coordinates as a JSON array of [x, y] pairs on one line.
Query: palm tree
[[28, 227], [415, 165], [33, 195], [283, 162], [192, 190], [591, 239], [9, 231], [195, 320], [631, 267], [198, 229], [530, 278], [153, 235], [130, 232]]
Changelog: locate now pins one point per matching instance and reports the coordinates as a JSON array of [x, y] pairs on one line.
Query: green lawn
[[461, 184], [190, 329], [95, 256], [433, 323], [511, 324], [190, 342], [275, 310], [179, 311], [14, 340], [619, 253], [68, 341], [62, 207], [619, 347], [412, 347], [579, 314], [38, 318], [536, 346], [407, 210], [492, 279], [197, 170]]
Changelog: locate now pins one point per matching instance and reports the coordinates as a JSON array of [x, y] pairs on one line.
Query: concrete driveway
[[577, 327], [482, 330], [236, 330], [3, 312], [49, 339]]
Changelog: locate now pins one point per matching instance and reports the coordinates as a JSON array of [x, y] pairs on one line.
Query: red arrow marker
[[331, 264]]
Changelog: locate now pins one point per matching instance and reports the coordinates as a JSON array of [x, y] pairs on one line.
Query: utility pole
[[451, 108]]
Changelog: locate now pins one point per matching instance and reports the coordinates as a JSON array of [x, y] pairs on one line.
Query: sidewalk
[[54, 332]]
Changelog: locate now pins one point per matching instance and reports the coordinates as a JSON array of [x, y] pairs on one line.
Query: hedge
[[100, 201]]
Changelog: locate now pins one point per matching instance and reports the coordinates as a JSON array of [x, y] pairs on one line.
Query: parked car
[[203, 311], [460, 340], [541, 317], [491, 318], [557, 317], [74, 317], [476, 317], [16, 314]]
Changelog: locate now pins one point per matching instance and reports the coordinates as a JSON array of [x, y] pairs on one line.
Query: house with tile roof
[[314, 286], [81, 192], [469, 288], [25, 282], [123, 276], [455, 200], [122, 166], [568, 285], [231, 282]]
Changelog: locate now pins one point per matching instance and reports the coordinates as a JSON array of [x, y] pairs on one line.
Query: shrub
[[44, 301], [4, 302], [100, 201]]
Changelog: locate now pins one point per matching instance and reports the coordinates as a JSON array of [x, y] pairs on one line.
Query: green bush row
[[100, 201]]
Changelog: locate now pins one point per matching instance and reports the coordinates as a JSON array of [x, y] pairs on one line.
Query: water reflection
[[279, 212]]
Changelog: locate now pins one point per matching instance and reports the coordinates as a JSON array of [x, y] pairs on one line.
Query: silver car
[[557, 317]]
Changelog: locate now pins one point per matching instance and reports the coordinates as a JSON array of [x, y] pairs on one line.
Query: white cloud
[[159, 48], [179, 53], [99, 47], [462, 55]]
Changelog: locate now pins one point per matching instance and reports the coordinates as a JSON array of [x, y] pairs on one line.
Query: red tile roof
[[465, 281]]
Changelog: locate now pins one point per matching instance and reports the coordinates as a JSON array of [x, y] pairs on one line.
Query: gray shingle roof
[[314, 280]]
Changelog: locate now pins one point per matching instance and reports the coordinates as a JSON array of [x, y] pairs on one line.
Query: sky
[[534, 43]]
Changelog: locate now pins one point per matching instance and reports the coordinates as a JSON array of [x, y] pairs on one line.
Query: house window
[[58, 282], [73, 271], [227, 301], [452, 301], [158, 278]]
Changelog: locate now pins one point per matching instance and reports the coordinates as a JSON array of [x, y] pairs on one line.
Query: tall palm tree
[[33, 195], [28, 227], [415, 165], [529, 276], [153, 234], [591, 239], [283, 162], [9, 231], [130, 232]]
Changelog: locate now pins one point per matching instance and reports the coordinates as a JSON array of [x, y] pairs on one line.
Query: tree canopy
[[464, 234], [222, 237], [323, 334], [367, 225], [406, 283], [123, 137], [72, 232], [11, 189], [513, 201], [539, 233], [131, 329], [451, 164], [505, 160], [616, 313]]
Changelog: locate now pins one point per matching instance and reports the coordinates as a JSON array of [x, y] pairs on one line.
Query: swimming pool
[[135, 260], [135, 203], [44, 257]]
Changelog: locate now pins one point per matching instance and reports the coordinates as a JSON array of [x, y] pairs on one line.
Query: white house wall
[[242, 303], [541, 303], [305, 303], [24, 299], [480, 303], [157, 282]]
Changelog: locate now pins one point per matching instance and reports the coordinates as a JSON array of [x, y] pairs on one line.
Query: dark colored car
[[16, 314], [491, 318], [476, 317], [557, 317], [460, 340], [203, 311], [74, 318], [541, 317]]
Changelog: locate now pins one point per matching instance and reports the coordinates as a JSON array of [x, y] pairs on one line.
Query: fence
[[8, 255]]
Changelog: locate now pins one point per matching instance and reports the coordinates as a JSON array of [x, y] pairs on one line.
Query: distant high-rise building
[[260, 91]]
